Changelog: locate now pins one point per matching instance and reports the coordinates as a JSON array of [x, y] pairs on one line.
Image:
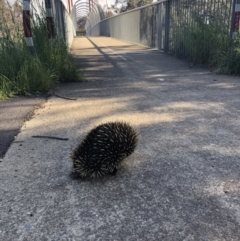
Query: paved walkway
[[13, 113], [181, 183]]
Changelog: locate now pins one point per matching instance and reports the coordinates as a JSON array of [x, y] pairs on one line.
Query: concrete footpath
[[13, 113], [183, 181]]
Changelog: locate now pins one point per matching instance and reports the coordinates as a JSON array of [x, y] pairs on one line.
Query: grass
[[230, 59], [21, 72], [200, 43], [207, 44]]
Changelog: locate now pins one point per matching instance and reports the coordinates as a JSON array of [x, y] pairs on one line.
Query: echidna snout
[[103, 149]]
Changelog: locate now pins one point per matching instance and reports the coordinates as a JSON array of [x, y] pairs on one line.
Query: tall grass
[[201, 43], [24, 73], [207, 43], [230, 59]]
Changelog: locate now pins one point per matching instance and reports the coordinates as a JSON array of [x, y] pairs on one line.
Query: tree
[[10, 19], [126, 5]]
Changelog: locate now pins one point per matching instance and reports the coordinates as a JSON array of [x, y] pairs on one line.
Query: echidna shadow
[[103, 149]]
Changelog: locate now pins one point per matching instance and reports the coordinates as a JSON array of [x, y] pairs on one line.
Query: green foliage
[[24, 73], [54, 53], [6, 87], [200, 42], [230, 60], [207, 43], [34, 76]]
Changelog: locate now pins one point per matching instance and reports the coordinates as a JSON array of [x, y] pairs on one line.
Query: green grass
[[21, 72]]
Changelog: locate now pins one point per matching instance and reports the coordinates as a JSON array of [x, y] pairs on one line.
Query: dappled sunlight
[[183, 177], [116, 43], [79, 42], [193, 105], [226, 190], [95, 111], [143, 119], [219, 187], [223, 150], [223, 85]]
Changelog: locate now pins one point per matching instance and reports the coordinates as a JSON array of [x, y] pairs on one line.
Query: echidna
[[103, 149]]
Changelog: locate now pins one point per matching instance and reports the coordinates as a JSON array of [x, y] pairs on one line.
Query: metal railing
[[165, 25], [96, 15]]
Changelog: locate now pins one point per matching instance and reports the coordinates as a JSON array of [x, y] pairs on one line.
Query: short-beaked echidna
[[103, 149]]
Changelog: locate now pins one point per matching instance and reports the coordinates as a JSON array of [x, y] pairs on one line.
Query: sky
[[11, 1]]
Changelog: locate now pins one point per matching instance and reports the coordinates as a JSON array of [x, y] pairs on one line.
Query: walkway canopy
[[84, 8], [90, 10]]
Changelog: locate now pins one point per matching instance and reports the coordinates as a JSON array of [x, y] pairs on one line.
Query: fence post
[[27, 25], [167, 26], [153, 29], [235, 18], [61, 20], [159, 26], [49, 19]]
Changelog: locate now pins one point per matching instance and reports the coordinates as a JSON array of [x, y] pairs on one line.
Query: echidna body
[[103, 149]]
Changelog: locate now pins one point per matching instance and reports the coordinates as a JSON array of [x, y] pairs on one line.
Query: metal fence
[[95, 16], [168, 24], [65, 23], [58, 13]]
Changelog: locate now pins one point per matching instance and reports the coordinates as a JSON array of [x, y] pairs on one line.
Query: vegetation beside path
[[210, 45], [22, 73]]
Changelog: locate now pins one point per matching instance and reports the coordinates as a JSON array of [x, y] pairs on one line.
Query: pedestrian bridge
[[106, 58], [168, 25], [175, 26]]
